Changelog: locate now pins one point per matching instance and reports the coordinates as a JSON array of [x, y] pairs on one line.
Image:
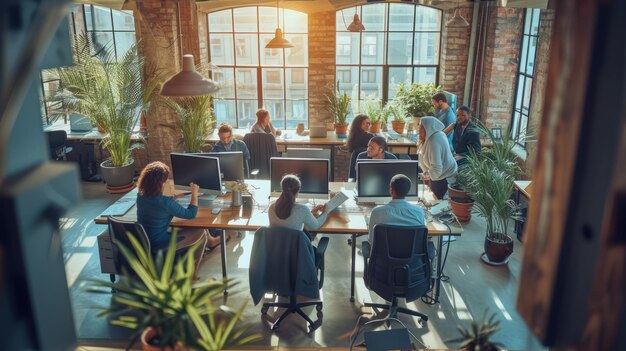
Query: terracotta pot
[[416, 123], [143, 123], [398, 127], [375, 127], [341, 130], [458, 195], [462, 210], [498, 252], [149, 334]]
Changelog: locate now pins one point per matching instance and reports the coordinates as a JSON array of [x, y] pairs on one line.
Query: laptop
[[385, 340], [317, 132], [80, 124]]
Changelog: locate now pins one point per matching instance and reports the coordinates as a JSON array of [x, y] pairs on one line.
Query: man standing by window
[[445, 113]]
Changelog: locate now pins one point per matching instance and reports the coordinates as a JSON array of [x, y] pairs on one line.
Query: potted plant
[[489, 182], [373, 109], [338, 104], [476, 337], [398, 110], [165, 308], [196, 118], [417, 100], [237, 187], [460, 201]]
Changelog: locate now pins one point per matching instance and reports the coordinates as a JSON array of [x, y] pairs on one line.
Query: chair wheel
[[264, 310], [318, 307], [349, 241]]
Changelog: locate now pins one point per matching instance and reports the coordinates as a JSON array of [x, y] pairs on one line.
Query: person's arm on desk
[[175, 209]]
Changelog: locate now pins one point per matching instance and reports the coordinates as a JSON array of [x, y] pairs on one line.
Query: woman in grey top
[[286, 213]]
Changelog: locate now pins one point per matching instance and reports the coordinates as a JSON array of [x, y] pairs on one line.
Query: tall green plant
[[372, 108], [476, 337], [397, 110], [162, 296], [416, 98], [195, 115], [338, 104]]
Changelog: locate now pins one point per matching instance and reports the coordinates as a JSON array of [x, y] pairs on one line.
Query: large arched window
[[252, 76], [400, 43]]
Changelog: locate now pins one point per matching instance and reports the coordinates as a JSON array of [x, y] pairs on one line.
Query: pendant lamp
[[188, 82], [356, 25], [457, 20], [278, 42]]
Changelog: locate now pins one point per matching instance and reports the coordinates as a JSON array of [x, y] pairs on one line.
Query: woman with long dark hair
[[286, 213], [359, 133]]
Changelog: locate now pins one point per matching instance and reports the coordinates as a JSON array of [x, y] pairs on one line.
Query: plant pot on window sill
[[341, 130]]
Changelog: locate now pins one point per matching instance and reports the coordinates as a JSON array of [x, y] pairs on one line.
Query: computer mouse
[[215, 210]]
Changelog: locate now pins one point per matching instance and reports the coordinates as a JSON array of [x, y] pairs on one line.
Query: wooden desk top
[[348, 218], [524, 186], [92, 136]]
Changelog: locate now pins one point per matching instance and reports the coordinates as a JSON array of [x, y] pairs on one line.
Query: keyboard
[[336, 201]]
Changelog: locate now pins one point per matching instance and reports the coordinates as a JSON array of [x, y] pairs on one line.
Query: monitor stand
[[206, 200]]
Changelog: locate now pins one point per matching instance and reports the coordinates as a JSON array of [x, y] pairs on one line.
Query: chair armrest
[[366, 249], [320, 250]]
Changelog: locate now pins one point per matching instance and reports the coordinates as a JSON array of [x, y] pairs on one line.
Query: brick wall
[[455, 43], [321, 63]]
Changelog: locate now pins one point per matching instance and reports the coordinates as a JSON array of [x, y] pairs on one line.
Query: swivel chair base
[[293, 307], [394, 309]]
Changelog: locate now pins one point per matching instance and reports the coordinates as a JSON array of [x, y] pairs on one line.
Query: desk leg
[[439, 254], [352, 274], [223, 252]]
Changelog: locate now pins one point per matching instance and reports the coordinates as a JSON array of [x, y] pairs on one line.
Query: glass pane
[[270, 57], [530, 65], [348, 46], [123, 41], [245, 19], [297, 113], [297, 83], [425, 75], [515, 128], [246, 110], [528, 88], [123, 20], [221, 21], [344, 18], [524, 54], [298, 55], [401, 17], [87, 13], [348, 77], [102, 20], [276, 110], [534, 30], [273, 87], [398, 75], [103, 39], [373, 48], [426, 49], [267, 19], [427, 18], [246, 49], [295, 22], [226, 79], [371, 82], [373, 17], [400, 48], [523, 124], [222, 51], [246, 83], [225, 112], [520, 92]]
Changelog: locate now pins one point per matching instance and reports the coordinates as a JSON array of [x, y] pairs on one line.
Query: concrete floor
[[473, 288]]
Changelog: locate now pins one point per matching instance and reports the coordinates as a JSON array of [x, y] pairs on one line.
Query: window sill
[[520, 152]]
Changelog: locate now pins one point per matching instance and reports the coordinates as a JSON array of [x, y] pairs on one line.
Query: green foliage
[[416, 98], [338, 104], [396, 109], [488, 178], [161, 295], [112, 93], [476, 337], [373, 109], [196, 118]]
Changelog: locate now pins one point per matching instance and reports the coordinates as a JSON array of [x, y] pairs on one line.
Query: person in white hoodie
[[435, 156]]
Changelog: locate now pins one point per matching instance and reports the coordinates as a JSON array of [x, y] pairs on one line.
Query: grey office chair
[[262, 147], [118, 231], [56, 141]]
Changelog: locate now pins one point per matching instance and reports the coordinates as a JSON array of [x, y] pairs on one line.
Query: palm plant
[[338, 104], [373, 109], [476, 337], [195, 115], [161, 295], [398, 110]]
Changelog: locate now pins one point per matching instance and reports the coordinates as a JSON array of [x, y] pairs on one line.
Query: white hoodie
[[436, 158]]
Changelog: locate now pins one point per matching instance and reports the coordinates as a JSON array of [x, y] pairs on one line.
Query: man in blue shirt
[[444, 113], [228, 143], [376, 150]]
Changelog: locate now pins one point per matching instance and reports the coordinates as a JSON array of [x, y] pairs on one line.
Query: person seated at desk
[[155, 212], [286, 213], [376, 150], [263, 124], [359, 133], [435, 157], [228, 143], [466, 135]]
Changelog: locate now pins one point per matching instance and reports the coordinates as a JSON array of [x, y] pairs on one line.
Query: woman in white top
[[263, 124], [286, 213], [435, 158]]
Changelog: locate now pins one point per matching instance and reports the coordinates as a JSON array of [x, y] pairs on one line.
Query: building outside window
[[251, 76], [401, 43], [528, 51]]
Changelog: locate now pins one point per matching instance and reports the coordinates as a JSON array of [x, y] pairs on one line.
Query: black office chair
[[397, 265], [118, 231], [352, 168], [56, 141], [262, 147], [284, 262]]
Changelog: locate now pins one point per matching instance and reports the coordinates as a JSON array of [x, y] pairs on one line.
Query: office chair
[[397, 265], [284, 262], [56, 141], [118, 231], [451, 98], [262, 147]]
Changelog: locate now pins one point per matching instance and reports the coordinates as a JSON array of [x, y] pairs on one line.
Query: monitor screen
[[313, 174], [201, 170], [231, 163], [307, 153], [373, 177]]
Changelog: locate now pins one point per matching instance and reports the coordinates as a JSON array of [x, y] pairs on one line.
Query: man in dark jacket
[[466, 135]]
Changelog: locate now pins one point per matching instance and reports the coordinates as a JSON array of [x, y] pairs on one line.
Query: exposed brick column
[[455, 43], [322, 47]]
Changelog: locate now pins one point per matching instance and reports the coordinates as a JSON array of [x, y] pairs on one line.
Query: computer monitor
[[231, 164], [373, 177], [201, 170], [313, 174]]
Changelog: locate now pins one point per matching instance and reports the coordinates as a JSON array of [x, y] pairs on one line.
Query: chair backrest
[[56, 141], [398, 264], [451, 98], [352, 168], [262, 147], [282, 261], [119, 230]]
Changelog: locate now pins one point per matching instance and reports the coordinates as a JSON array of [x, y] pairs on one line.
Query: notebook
[[336, 201], [317, 132]]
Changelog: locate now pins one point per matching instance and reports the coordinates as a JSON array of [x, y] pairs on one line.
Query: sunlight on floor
[[457, 302], [89, 241], [67, 223], [500, 305], [74, 266]]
